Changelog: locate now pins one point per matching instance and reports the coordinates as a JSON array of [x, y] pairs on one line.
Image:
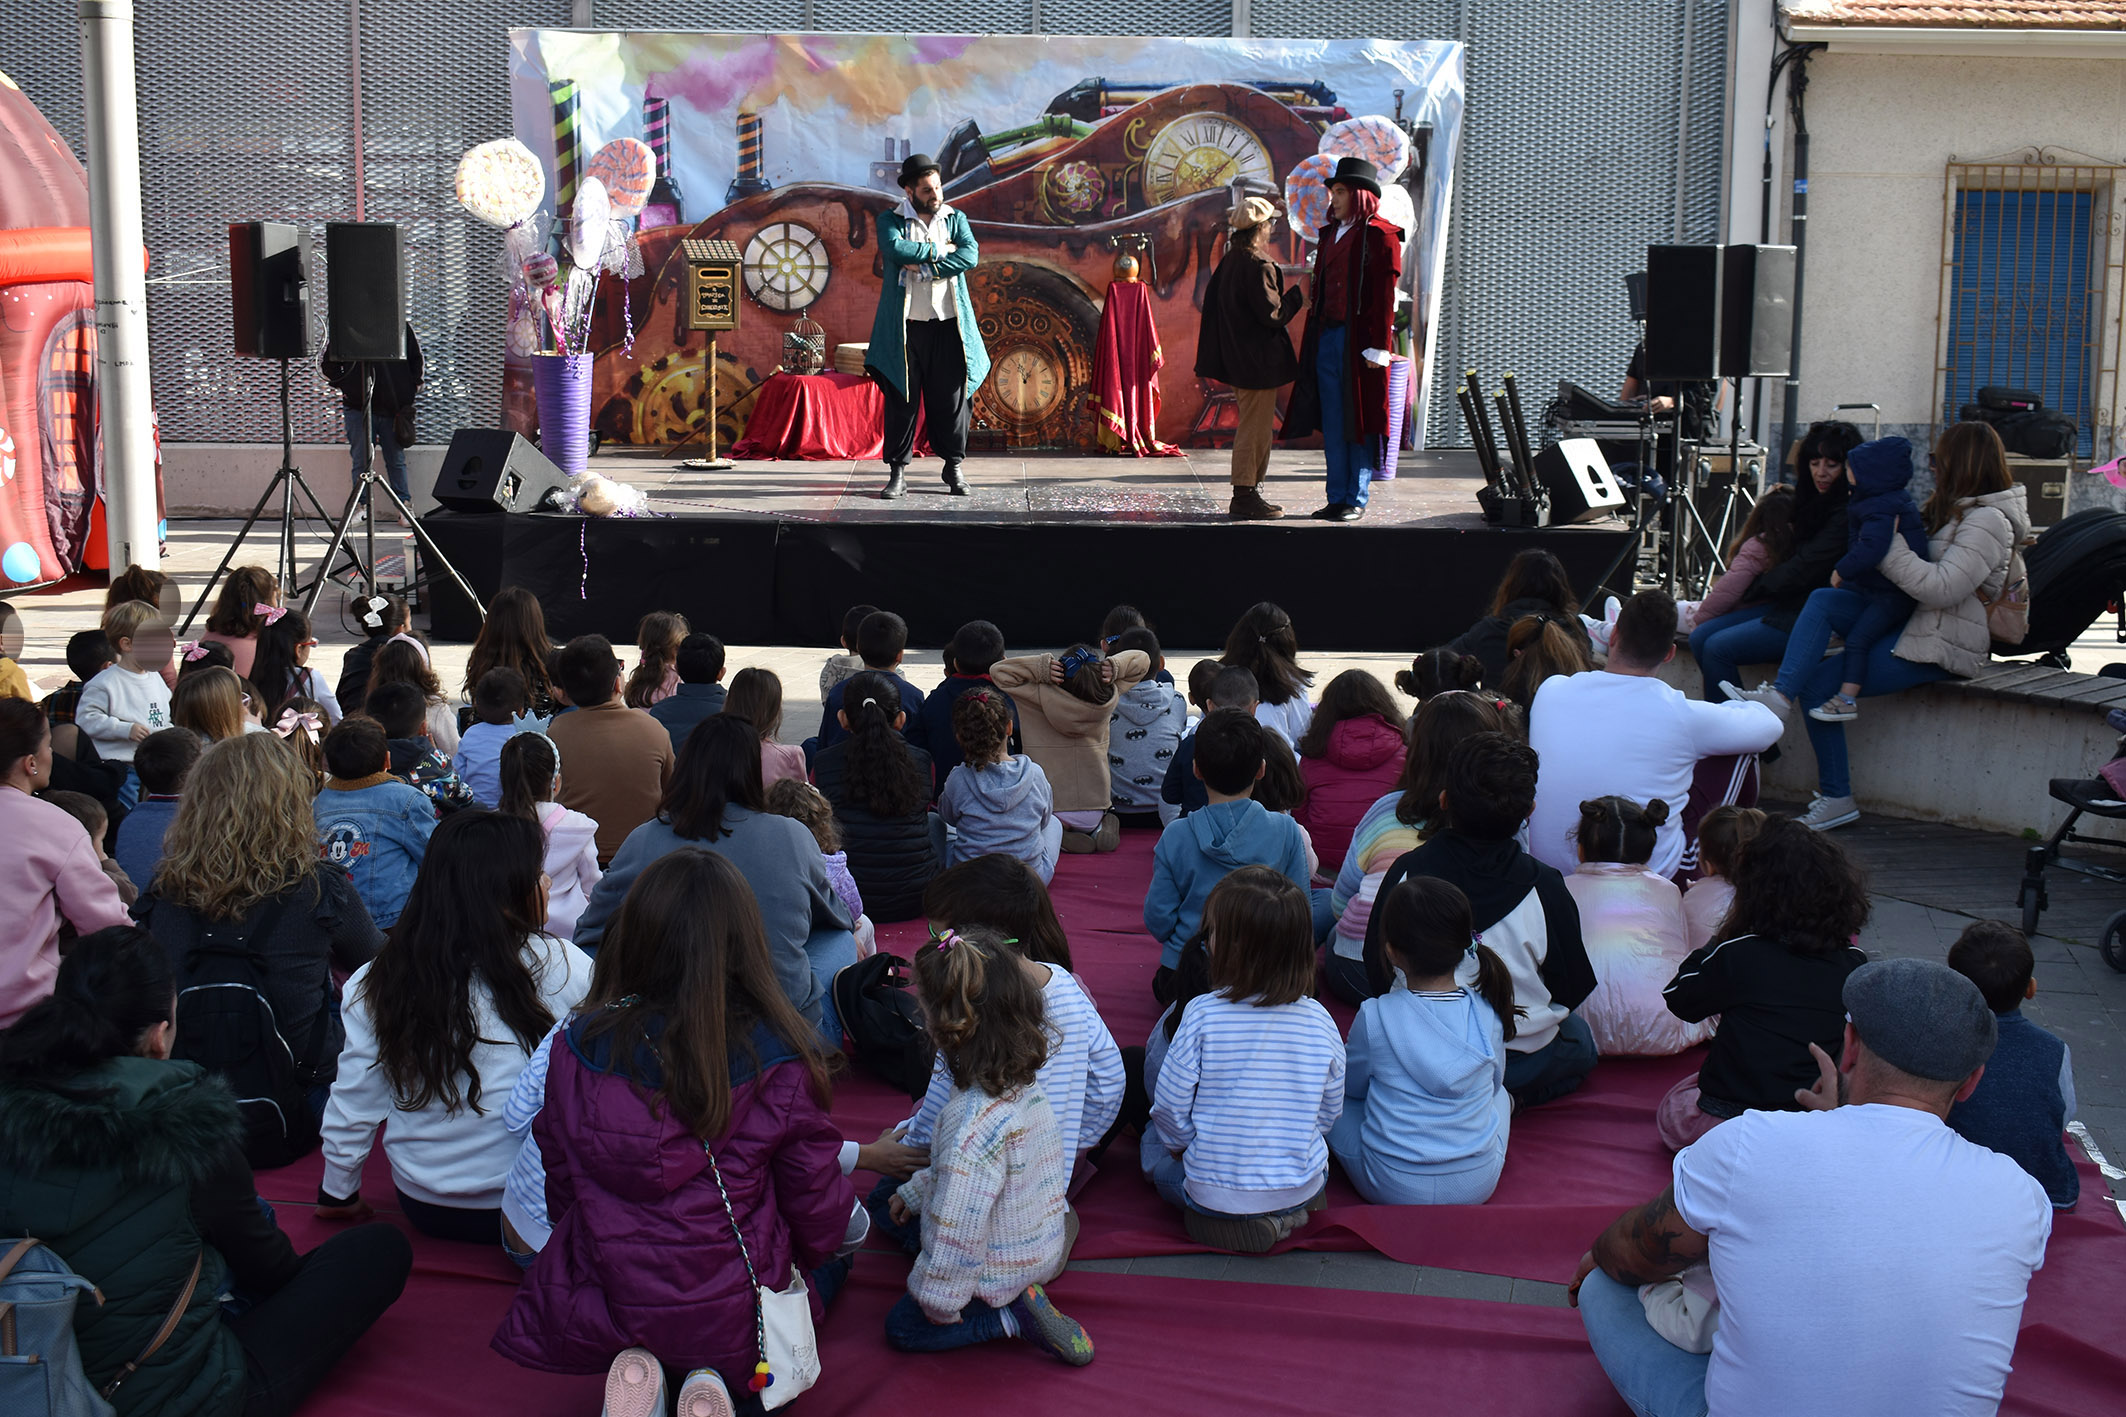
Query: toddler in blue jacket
[[369, 823], [2022, 1106]]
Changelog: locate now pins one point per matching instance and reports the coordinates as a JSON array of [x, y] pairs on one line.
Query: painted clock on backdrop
[[1027, 382], [1200, 152]]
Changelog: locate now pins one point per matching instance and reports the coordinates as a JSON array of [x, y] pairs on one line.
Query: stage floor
[[1436, 489]]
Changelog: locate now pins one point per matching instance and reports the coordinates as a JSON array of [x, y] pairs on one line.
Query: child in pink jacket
[[1351, 756]]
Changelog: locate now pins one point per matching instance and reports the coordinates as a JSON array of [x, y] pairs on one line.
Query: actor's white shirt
[[928, 297]]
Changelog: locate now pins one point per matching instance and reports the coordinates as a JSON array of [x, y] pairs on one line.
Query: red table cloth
[[818, 417]]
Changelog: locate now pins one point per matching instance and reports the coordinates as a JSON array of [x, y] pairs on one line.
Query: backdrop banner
[[1064, 151]]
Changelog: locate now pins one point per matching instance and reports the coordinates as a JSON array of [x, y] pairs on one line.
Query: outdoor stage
[[774, 552]]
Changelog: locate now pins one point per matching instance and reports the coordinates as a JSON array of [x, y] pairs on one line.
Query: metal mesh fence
[[1569, 162]]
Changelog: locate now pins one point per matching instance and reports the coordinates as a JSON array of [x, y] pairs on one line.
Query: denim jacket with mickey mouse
[[376, 829], [1142, 734]]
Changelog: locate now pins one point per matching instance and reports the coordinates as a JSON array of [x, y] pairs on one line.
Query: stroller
[[2077, 572], [2096, 797]]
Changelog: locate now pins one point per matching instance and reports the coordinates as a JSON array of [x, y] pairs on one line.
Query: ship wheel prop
[[1040, 329], [786, 266]]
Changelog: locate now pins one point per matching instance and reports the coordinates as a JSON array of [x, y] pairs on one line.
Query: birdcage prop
[[804, 347]]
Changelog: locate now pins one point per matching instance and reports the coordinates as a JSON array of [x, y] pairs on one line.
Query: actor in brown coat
[[1244, 343]]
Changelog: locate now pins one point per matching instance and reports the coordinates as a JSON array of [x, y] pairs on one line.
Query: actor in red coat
[[1343, 361]]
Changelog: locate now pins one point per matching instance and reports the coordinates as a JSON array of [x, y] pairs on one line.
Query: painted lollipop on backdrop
[[1376, 139], [1306, 195], [628, 168], [500, 182]]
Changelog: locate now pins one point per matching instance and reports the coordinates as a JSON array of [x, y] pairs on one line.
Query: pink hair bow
[[271, 614], [291, 720], [196, 650]]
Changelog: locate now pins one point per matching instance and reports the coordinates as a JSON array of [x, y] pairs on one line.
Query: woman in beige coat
[[1975, 522], [1065, 702]]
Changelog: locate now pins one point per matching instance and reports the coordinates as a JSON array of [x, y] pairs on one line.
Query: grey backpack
[[40, 1368]]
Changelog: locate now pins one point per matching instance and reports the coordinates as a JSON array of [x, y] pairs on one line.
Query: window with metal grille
[[2029, 279]]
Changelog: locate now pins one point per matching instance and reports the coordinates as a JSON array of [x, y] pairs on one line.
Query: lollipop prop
[[1306, 195]]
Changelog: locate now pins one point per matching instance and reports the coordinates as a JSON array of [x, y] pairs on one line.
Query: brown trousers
[[1251, 438]]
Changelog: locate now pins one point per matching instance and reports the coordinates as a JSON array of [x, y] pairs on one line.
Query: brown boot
[[1248, 506]]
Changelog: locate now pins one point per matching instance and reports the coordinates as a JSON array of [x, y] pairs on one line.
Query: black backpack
[[226, 1024], [885, 1024]]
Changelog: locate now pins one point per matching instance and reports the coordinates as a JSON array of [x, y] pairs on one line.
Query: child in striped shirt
[[991, 1200], [1253, 1078]]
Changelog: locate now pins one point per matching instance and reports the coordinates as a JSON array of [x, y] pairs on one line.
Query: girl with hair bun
[[998, 802], [1632, 922], [880, 787]]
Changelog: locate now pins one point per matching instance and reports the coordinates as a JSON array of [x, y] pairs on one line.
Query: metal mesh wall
[[1569, 161]]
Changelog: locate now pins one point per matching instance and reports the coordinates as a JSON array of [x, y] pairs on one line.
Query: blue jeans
[[1653, 1376], [880, 1204], [1556, 1068], [831, 952], [386, 437], [1723, 644], [1864, 618], [1882, 673], [909, 1329], [129, 793], [1351, 462]]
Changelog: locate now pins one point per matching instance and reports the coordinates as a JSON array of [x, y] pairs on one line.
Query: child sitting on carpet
[[1064, 706], [991, 1201], [88, 654], [129, 700], [800, 801], [384, 617], [647, 1272], [1223, 687], [881, 643], [1426, 1109], [1776, 977], [1632, 924], [1196, 852], [496, 701], [756, 696], [1144, 733], [1264, 643], [302, 726], [442, 1020], [1352, 752], [403, 711], [974, 650], [880, 788], [164, 761], [2026, 1098], [997, 801], [97, 823], [656, 676], [840, 666], [1722, 833], [530, 774], [1253, 1077], [371, 825]]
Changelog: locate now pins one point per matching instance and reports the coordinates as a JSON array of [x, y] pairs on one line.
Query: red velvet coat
[[1379, 261]]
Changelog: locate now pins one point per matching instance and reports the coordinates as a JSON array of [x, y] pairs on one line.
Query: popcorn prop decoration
[[591, 222], [500, 182], [628, 168], [1306, 195], [1376, 139]]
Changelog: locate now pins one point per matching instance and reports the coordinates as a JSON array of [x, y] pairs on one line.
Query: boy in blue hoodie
[[2023, 1104], [370, 823], [1232, 830]]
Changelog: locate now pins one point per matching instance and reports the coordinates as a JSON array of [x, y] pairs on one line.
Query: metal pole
[[123, 396]]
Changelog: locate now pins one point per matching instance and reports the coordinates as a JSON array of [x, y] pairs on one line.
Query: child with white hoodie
[[997, 802], [1144, 732]]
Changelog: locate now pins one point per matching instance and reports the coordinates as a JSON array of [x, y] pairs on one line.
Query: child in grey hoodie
[[1147, 726], [996, 802]]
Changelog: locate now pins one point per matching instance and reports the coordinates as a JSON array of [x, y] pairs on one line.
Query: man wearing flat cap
[[1343, 358], [1243, 342], [926, 351], [1865, 1258]]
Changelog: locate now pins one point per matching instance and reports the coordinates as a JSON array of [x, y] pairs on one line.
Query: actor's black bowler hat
[[916, 166]]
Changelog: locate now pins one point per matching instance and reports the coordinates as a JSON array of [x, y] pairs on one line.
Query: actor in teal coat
[[926, 349]]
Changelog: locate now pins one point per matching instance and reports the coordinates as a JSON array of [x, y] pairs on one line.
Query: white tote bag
[[782, 1319]]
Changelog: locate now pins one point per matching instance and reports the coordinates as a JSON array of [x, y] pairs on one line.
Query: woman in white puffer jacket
[[1975, 520]]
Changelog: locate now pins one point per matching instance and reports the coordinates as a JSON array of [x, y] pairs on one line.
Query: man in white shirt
[[1622, 732], [926, 352], [1867, 1259]]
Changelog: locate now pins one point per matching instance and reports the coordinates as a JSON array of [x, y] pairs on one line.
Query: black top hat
[[916, 166], [1356, 172]]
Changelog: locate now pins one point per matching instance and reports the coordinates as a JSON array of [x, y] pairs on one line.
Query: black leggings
[[293, 1337], [450, 1222]]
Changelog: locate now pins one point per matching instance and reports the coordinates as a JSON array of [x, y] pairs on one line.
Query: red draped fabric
[[818, 417], [1124, 402]]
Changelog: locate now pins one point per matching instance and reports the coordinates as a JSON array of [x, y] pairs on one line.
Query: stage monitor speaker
[[1756, 311], [495, 470], [365, 291], [1576, 475], [269, 287], [1682, 312]]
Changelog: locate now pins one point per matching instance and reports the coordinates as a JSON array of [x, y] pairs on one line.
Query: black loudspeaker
[[269, 286], [1756, 311], [365, 291], [494, 470], [1576, 475], [1682, 312]]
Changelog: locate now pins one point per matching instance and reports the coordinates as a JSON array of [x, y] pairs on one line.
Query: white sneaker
[[1825, 813], [634, 1385], [703, 1394], [1836, 709], [1764, 694]]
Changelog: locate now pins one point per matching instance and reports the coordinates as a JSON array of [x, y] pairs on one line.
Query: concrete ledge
[[1956, 752], [225, 479]]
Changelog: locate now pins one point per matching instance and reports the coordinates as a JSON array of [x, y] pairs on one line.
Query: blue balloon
[[20, 563]]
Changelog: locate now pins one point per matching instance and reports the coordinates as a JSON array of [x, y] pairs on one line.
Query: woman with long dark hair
[[1244, 342], [715, 801], [686, 1097], [880, 788], [513, 636], [130, 1168], [440, 1023], [1535, 583]]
